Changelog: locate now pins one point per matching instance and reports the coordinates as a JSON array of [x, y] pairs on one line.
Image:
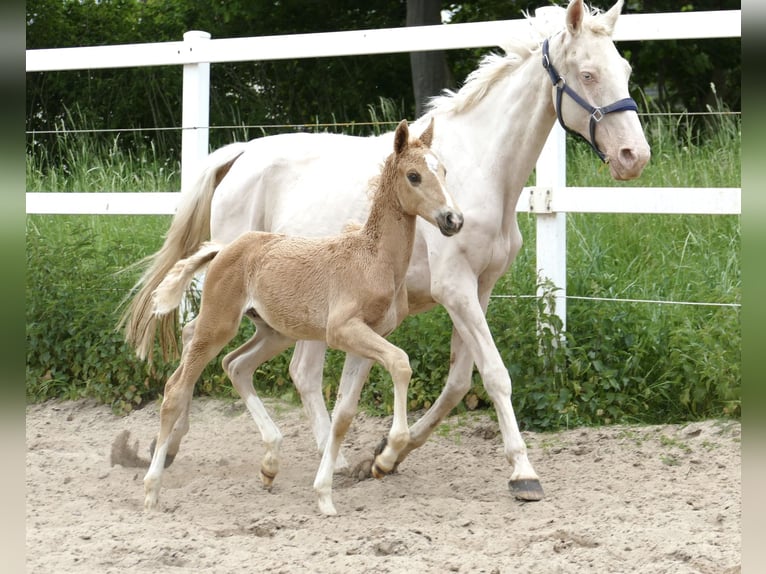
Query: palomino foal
[[347, 290]]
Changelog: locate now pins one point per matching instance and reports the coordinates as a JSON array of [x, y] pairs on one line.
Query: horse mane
[[493, 67]]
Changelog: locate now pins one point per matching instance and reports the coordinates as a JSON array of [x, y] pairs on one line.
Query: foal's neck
[[388, 225]]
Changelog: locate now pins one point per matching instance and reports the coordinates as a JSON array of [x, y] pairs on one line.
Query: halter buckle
[[597, 115]]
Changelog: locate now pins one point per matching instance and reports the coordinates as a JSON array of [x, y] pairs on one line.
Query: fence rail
[[550, 199], [536, 199]]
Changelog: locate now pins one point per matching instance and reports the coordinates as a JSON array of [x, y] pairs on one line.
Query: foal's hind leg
[[178, 393], [240, 365], [212, 332], [182, 426]]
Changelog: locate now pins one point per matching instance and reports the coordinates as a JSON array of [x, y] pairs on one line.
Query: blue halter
[[596, 113]]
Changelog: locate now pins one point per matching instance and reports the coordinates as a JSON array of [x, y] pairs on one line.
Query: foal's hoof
[[528, 490], [267, 479], [169, 458], [363, 470]]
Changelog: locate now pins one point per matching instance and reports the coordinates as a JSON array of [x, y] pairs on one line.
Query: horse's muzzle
[[450, 222]]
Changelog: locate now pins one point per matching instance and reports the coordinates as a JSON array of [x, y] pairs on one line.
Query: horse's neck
[[389, 229], [503, 133]]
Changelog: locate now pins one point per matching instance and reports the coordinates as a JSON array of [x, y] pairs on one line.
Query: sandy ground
[[618, 499]]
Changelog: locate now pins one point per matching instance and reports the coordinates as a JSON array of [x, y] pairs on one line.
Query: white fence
[[549, 199]]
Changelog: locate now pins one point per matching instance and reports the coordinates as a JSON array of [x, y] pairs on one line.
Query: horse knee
[[497, 383], [400, 369]]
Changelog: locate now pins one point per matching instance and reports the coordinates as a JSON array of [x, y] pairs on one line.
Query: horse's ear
[[401, 137], [575, 15], [427, 136], [610, 17]]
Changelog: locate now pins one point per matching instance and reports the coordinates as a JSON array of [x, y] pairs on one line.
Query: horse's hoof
[[377, 472], [528, 490]]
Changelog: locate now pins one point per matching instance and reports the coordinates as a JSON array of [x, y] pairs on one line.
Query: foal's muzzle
[[450, 222]]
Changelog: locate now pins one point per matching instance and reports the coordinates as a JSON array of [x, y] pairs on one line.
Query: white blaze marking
[[433, 165], [432, 162]]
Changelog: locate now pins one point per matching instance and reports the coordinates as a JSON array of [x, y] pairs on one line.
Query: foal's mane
[[493, 67]]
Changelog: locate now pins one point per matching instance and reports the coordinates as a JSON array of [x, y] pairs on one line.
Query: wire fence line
[[347, 124], [624, 300]]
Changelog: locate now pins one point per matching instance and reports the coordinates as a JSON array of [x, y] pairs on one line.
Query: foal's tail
[[169, 293], [189, 228]]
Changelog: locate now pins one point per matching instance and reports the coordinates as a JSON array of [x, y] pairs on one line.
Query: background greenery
[[622, 362], [673, 75]]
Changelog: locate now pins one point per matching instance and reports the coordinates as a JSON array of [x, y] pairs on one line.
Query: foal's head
[[419, 180]]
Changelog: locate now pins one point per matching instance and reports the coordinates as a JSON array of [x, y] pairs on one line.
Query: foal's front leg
[[358, 340]]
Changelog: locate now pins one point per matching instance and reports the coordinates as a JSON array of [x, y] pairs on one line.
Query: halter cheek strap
[[596, 113]]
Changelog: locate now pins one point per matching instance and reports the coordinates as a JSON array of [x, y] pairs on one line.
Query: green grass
[[622, 362]]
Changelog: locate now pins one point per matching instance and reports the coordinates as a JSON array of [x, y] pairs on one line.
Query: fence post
[[552, 227], [195, 117]]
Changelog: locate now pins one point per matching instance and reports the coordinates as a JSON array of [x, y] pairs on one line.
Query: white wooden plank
[[551, 228], [679, 25], [668, 200], [659, 200], [103, 203], [195, 113], [674, 25]]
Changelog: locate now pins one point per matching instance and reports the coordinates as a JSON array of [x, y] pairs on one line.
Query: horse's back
[[298, 184]]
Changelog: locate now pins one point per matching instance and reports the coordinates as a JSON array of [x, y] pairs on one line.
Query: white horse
[[490, 135]]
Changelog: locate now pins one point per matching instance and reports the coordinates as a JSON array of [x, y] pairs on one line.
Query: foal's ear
[[427, 136], [401, 137], [575, 14]]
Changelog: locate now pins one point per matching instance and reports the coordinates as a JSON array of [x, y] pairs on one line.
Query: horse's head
[[590, 89], [421, 187]]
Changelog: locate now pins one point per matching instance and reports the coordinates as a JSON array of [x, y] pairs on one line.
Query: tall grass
[[622, 361]]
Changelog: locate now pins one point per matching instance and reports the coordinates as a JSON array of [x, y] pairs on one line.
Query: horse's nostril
[[628, 156]]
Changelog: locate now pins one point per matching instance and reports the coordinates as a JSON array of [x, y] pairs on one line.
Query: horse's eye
[[413, 177], [587, 76]]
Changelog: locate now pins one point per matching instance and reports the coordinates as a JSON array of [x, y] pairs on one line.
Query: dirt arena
[[662, 499]]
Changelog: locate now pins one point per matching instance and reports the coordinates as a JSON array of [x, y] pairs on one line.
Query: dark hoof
[[377, 472], [169, 458], [528, 490]]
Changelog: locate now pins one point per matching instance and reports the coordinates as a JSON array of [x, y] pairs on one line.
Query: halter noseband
[[596, 113]]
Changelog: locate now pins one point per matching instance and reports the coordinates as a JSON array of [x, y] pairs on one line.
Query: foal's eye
[[587, 76], [413, 177]]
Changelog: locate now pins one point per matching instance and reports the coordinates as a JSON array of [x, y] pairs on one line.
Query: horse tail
[[169, 293], [189, 228]]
